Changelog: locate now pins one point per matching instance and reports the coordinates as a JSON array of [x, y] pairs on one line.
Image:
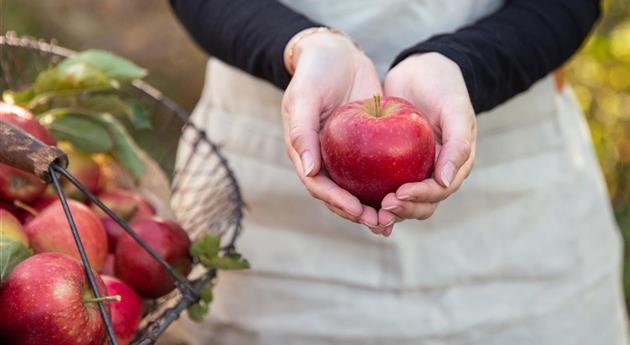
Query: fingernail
[[307, 162], [448, 173], [406, 198], [367, 224], [391, 222], [392, 208]]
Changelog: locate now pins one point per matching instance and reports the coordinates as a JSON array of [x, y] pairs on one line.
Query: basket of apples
[[115, 211]]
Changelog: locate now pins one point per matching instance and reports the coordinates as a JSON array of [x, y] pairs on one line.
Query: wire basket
[[203, 190]]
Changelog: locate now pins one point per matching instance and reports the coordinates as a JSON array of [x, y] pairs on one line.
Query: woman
[[524, 252]]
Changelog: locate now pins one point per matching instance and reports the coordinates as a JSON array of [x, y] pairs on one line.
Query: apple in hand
[[47, 300], [371, 147], [136, 267], [127, 313], [16, 184], [127, 205], [50, 232]]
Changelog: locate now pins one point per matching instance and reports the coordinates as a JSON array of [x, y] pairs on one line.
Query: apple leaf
[[140, 117], [18, 97], [82, 133], [80, 76], [106, 104], [230, 261], [125, 150], [206, 247], [11, 254], [198, 311], [206, 293], [112, 66]]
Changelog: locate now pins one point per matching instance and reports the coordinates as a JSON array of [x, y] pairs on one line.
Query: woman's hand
[[329, 71], [434, 84]]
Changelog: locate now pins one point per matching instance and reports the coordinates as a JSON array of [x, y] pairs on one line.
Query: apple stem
[[25, 207], [115, 298], [377, 105]]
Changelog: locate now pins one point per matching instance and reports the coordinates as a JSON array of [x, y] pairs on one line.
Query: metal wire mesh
[[204, 192]]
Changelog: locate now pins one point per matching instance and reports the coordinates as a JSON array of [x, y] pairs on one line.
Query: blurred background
[[146, 32]]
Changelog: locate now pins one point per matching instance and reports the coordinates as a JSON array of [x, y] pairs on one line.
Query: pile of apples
[[46, 298]]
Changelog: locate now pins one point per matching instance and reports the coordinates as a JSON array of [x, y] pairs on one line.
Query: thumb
[[302, 124], [457, 146]]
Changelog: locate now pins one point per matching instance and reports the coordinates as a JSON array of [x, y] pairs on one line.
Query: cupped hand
[[329, 71], [435, 85]]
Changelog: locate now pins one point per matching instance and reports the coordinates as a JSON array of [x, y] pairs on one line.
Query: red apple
[[46, 300], [108, 266], [11, 228], [127, 313], [136, 267], [24, 119], [372, 147], [16, 184], [50, 232], [82, 166], [127, 205]]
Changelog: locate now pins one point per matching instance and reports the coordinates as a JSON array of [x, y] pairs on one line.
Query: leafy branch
[[207, 251]]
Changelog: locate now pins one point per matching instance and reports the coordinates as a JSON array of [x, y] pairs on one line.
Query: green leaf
[[207, 246], [106, 104], [198, 311], [206, 293], [139, 115], [109, 64], [80, 76], [231, 261], [82, 132], [18, 97], [11, 254], [125, 150]]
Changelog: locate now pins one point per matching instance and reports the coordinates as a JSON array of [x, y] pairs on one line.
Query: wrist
[[315, 38]]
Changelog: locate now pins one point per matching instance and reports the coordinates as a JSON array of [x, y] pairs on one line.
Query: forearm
[[250, 35], [506, 52]]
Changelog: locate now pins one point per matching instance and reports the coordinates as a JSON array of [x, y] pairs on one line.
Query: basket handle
[[22, 151]]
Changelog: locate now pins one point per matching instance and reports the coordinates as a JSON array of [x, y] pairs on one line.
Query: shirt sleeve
[[248, 34], [506, 52]]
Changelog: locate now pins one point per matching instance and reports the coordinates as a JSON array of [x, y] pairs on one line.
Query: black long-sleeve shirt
[[500, 56]]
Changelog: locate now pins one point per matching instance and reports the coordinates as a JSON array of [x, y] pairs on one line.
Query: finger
[[389, 230], [324, 189], [369, 216], [428, 190], [301, 119], [458, 136], [385, 216], [341, 213], [407, 209]]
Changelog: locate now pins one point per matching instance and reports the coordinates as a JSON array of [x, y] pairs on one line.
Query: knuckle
[[296, 136], [463, 148]]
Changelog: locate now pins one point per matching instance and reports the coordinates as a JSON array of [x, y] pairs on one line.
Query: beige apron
[[527, 252]]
